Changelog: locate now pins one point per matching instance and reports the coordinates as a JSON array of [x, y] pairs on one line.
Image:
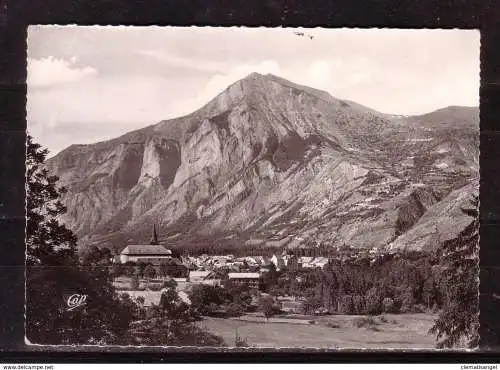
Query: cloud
[[53, 71]]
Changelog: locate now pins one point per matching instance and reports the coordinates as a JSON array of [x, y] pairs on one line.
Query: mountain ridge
[[269, 160]]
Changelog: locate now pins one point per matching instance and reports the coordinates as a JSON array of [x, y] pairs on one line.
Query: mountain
[[272, 163]]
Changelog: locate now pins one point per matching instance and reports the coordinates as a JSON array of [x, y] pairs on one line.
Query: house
[[198, 276], [251, 279], [204, 277], [278, 262], [258, 260], [305, 262], [189, 262], [312, 262], [154, 254], [320, 262], [212, 282], [152, 297]]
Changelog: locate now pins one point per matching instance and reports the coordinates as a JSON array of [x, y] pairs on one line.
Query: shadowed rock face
[[271, 162]]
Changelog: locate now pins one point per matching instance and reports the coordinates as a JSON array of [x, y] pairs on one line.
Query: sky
[[89, 84]]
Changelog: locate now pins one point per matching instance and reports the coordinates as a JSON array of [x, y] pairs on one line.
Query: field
[[404, 331]]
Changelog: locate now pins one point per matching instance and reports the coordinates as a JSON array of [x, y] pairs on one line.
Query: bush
[[240, 342], [333, 325], [234, 309], [365, 322], [267, 306], [211, 308], [388, 306]]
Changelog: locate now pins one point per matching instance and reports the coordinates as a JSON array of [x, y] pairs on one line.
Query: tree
[[359, 304], [117, 269], [202, 296], [48, 241], [459, 319], [373, 301], [106, 254], [346, 304], [135, 282], [164, 269], [270, 278], [91, 255], [141, 266], [149, 272], [54, 275], [311, 304], [140, 301], [129, 268], [407, 300], [428, 292], [266, 306]]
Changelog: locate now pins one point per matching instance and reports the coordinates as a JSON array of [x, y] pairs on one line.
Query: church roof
[[146, 250]]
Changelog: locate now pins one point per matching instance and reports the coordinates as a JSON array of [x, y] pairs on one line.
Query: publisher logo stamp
[[75, 301]]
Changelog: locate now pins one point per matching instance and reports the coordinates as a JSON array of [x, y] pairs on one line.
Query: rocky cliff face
[[269, 162]]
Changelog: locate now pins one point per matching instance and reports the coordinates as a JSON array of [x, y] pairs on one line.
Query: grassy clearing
[[389, 331]]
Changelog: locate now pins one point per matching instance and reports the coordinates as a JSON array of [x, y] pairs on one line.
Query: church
[[152, 253]]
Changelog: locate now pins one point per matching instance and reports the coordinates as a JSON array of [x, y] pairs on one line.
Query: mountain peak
[[258, 80]]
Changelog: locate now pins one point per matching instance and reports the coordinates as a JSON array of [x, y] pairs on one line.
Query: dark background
[[15, 15]]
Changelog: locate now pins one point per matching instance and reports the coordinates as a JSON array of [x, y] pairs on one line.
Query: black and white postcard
[[252, 187]]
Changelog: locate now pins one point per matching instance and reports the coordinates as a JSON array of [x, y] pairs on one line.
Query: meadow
[[402, 331]]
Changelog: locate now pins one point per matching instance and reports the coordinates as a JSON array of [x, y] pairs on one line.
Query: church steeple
[[154, 237]]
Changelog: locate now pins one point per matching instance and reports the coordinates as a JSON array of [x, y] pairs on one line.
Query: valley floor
[[403, 331]]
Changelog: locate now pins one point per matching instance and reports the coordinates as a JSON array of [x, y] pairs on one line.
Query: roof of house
[[243, 275], [306, 259], [321, 260], [146, 250], [197, 273]]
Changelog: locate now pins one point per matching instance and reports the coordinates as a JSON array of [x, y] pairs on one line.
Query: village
[[319, 292], [145, 268]]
